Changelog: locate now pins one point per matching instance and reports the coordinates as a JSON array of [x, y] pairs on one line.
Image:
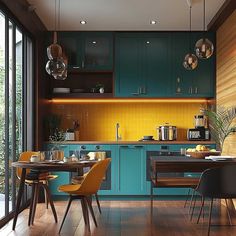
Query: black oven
[[106, 183], [156, 154]]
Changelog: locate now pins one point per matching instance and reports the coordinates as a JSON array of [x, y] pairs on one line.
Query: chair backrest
[[218, 182], [93, 179], [24, 156]]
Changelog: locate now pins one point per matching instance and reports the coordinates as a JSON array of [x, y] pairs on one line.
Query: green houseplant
[[221, 123]]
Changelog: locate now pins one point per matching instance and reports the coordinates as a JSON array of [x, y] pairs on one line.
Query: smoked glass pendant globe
[[190, 61], [204, 48], [55, 67]]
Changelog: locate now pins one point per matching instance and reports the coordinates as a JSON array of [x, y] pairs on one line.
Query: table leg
[[19, 196]]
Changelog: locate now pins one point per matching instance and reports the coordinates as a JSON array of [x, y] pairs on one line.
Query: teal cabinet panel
[[131, 170], [155, 64], [199, 82], [88, 51], [127, 68], [142, 65]]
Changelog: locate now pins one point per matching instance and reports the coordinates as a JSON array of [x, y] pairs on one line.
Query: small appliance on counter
[[200, 132], [167, 132], [70, 135]]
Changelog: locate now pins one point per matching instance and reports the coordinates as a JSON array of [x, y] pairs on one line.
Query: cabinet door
[[203, 77], [71, 43], [127, 71], [156, 65], [192, 83], [131, 170], [182, 78], [98, 51]]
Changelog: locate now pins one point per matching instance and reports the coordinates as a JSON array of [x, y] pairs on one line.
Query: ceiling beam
[[223, 13]]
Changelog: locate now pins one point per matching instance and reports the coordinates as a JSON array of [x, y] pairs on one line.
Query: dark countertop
[[133, 142]]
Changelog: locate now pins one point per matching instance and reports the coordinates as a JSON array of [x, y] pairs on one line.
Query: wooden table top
[[47, 165]]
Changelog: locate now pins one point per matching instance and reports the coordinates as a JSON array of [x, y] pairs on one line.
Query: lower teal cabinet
[[131, 170]]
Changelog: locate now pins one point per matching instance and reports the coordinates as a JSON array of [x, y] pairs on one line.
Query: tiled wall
[[98, 121]]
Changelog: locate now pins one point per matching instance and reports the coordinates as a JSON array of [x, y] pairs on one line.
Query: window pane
[[2, 114]]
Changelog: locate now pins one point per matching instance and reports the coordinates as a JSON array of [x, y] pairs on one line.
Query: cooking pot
[[167, 132]]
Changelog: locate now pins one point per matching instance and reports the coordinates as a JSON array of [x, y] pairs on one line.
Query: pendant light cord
[[59, 12], [190, 26], [204, 14]]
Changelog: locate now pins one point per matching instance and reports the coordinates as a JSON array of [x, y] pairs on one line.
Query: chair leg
[[83, 210], [31, 204], [191, 201], [35, 202], [67, 209], [98, 203], [194, 203], [86, 212], [48, 196], [200, 212], [209, 222], [227, 207], [187, 198], [89, 202], [45, 195]]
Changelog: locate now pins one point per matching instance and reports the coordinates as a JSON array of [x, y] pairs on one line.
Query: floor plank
[[121, 218]]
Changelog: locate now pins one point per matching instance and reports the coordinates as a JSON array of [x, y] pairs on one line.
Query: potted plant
[[221, 123]]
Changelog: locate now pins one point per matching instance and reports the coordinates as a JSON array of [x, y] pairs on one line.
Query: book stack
[[37, 175]]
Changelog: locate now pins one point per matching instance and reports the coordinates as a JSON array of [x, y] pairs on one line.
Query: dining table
[[45, 166]]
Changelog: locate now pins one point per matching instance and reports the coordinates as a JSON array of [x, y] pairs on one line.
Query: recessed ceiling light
[[94, 42], [153, 22], [83, 22]]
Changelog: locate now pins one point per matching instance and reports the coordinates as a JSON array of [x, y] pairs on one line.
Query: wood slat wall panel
[[226, 72]]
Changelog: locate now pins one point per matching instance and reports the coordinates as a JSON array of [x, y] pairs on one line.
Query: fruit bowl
[[203, 154]]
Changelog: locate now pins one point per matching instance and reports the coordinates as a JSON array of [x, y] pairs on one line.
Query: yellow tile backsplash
[[98, 121]]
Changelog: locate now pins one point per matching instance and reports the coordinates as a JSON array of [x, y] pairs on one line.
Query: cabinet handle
[[76, 67], [178, 80], [196, 89], [143, 89], [190, 90], [124, 146], [82, 64], [138, 146]]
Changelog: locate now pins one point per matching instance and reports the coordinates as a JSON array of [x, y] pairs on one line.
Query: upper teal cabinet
[[195, 83], [88, 51], [142, 65]]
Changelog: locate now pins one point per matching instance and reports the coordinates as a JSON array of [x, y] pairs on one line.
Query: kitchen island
[[128, 173]]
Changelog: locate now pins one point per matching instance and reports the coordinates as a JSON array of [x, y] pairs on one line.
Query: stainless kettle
[[167, 132]]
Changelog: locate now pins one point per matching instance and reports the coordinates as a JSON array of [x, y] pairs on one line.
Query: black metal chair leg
[[209, 222], [200, 212], [83, 210], [187, 198], [89, 202], [227, 207], [67, 209], [194, 203], [191, 201], [35, 202], [98, 203], [31, 204]]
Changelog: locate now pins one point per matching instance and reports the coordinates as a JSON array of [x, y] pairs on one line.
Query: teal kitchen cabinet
[[131, 170], [88, 51], [199, 82], [142, 65]]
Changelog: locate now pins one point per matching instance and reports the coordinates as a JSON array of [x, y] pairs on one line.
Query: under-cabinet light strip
[[180, 100]]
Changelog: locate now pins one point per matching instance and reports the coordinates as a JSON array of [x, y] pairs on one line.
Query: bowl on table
[[203, 154]]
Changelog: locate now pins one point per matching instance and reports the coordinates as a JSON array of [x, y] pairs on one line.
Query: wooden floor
[[123, 218]]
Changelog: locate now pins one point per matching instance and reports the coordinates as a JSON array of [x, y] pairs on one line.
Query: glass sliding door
[[16, 76]]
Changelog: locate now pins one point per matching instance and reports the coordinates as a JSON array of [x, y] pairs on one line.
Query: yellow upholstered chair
[[89, 186], [35, 184]]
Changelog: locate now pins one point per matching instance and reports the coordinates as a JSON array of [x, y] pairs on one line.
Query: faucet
[[118, 137]]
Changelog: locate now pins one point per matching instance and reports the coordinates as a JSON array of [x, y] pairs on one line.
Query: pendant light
[[190, 61], [56, 65], [204, 47]]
